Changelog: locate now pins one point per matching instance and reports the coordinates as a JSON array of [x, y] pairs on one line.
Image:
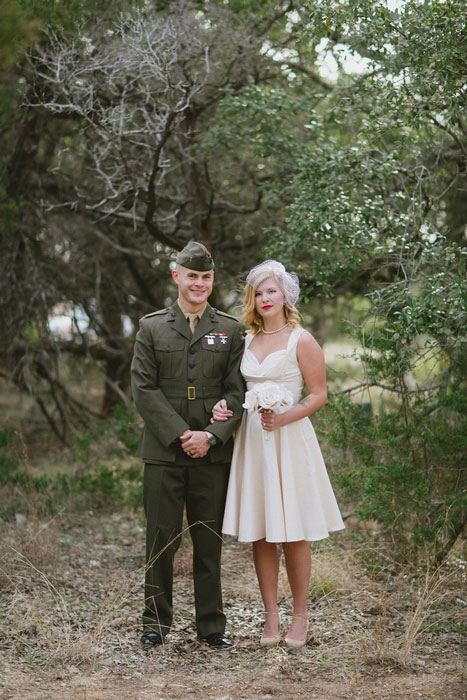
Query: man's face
[[194, 287]]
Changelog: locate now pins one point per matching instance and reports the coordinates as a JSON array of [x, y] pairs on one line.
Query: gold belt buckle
[[191, 393]]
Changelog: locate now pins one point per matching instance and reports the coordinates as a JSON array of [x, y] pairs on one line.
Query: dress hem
[[274, 541]]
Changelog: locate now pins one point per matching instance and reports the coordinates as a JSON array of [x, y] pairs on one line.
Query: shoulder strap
[[294, 338], [248, 338], [157, 313], [222, 313]]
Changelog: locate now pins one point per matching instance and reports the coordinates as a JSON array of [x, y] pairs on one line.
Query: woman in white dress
[[279, 490]]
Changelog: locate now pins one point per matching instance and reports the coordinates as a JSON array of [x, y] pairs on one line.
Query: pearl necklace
[[277, 331]]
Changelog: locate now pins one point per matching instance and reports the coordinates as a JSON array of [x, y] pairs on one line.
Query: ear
[[175, 276]]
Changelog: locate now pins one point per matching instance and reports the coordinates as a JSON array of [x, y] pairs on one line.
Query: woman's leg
[[298, 565], [266, 561]]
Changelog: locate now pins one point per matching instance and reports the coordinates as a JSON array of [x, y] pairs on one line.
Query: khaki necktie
[[193, 321]]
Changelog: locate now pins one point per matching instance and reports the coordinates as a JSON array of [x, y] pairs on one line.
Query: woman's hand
[[220, 412], [272, 421]]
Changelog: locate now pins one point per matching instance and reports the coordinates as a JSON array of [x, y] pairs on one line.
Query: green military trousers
[[168, 488]]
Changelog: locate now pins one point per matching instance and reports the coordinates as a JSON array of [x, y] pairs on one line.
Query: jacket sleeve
[[233, 390], [159, 416]]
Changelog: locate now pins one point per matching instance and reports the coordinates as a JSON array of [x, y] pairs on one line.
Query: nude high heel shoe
[[271, 640], [298, 642]]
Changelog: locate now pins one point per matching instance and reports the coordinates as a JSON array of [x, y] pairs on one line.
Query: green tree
[[116, 167], [376, 211], [210, 120]]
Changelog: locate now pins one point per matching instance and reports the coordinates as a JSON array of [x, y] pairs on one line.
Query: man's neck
[[192, 309]]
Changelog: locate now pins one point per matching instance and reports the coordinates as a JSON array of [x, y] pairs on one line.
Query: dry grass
[[32, 541], [74, 595], [43, 619], [429, 597]]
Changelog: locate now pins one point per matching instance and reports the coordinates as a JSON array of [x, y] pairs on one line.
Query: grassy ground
[[71, 600]]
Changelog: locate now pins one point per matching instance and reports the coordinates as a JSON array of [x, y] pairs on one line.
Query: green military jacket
[[177, 377]]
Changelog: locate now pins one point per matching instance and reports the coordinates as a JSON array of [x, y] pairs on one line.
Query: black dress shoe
[[216, 640], [151, 639]]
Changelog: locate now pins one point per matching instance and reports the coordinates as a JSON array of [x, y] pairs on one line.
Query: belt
[[192, 392]]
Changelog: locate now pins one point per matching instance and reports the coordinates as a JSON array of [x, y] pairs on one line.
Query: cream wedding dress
[[279, 488]]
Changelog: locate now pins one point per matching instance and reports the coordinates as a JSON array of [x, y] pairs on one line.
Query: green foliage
[[383, 158], [102, 482], [110, 485], [99, 482], [341, 225], [8, 213], [407, 464], [23, 21], [404, 468], [121, 433], [366, 212], [69, 14], [359, 186], [94, 486], [258, 120], [17, 31], [425, 41], [8, 464]]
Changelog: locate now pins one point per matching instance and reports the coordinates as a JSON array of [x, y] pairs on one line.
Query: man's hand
[[195, 443]]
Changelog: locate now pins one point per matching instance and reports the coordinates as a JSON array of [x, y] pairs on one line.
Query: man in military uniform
[[186, 358]]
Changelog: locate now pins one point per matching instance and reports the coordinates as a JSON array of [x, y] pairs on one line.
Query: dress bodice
[[280, 366]]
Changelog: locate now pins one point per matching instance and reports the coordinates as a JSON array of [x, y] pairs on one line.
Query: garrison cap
[[195, 256]]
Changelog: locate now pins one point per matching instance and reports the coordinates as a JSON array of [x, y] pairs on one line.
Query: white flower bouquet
[[267, 397]]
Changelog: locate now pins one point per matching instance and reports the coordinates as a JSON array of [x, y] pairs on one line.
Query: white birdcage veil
[[272, 268]]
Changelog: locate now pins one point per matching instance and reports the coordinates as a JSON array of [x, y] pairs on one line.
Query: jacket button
[[191, 365], [190, 379], [192, 351]]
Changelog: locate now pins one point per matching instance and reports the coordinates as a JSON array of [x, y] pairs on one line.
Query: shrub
[[100, 481], [404, 468]]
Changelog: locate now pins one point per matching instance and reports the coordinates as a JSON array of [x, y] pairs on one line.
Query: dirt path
[[267, 683], [70, 625]]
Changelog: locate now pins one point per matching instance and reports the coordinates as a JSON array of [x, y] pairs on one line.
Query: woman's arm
[[311, 362]]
